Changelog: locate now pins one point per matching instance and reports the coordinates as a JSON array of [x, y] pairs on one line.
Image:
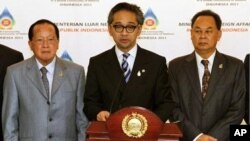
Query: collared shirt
[[201, 66], [50, 68], [130, 59]]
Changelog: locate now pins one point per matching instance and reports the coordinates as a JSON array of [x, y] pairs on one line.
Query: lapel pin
[[221, 66], [138, 73], [61, 74], [143, 70]]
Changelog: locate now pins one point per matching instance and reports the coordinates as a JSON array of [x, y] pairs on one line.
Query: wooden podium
[[133, 123]]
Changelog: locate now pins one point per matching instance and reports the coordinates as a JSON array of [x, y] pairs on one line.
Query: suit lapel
[[59, 74], [193, 76], [139, 64], [112, 68], [217, 72], [33, 73]]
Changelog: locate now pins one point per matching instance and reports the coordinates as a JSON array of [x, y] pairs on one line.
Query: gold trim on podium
[[134, 125]]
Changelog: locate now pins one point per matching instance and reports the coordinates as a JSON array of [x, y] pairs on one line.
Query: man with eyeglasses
[[126, 75]]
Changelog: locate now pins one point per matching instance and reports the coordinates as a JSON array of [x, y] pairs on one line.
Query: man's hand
[[205, 137], [102, 116]]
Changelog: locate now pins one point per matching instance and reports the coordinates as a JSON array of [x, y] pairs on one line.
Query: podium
[[133, 123]]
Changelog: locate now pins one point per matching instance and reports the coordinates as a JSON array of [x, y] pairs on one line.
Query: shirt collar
[[50, 67], [210, 59], [132, 51]]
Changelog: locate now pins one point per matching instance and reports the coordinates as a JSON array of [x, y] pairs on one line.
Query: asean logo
[[6, 20], [151, 22]]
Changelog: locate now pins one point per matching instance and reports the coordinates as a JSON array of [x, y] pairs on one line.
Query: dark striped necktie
[[125, 67]]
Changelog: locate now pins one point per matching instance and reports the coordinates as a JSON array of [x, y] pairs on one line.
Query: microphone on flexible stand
[[116, 92]]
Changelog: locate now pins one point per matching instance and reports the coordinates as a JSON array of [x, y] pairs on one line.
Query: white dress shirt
[[201, 66], [131, 57]]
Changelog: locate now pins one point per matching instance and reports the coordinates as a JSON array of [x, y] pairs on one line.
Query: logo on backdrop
[[66, 56], [7, 27], [151, 28], [6, 20], [151, 22]]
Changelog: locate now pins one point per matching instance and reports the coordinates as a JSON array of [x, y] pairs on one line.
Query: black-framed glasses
[[129, 28]]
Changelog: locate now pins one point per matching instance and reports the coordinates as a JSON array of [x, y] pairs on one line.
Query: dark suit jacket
[[222, 106], [246, 64], [106, 88], [8, 57]]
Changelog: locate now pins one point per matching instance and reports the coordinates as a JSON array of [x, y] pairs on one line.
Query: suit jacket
[[147, 87], [8, 57], [223, 104], [246, 64], [27, 114]]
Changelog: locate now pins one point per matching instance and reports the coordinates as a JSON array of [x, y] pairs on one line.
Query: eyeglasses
[[129, 28]]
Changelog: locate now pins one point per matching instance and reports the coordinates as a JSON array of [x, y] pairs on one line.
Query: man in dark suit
[[126, 75], [207, 86], [43, 95], [8, 57], [246, 64]]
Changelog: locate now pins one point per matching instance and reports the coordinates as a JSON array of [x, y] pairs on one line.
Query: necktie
[[125, 67], [205, 78], [45, 80]]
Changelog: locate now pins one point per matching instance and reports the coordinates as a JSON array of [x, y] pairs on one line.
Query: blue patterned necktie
[[205, 78], [45, 80], [125, 67]]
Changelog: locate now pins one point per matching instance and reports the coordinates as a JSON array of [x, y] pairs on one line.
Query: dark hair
[[129, 7], [42, 21], [207, 13]]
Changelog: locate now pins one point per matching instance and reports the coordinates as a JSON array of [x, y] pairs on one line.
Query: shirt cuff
[[195, 139]]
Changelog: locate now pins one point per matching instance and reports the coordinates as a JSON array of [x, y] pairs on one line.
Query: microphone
[[116, 92]]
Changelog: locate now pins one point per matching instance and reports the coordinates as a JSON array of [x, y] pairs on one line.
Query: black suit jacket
[[8, 57], [246, 64], [222, 106], [106, 88]]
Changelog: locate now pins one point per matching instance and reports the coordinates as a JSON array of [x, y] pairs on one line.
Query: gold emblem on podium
[[134, 125]]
